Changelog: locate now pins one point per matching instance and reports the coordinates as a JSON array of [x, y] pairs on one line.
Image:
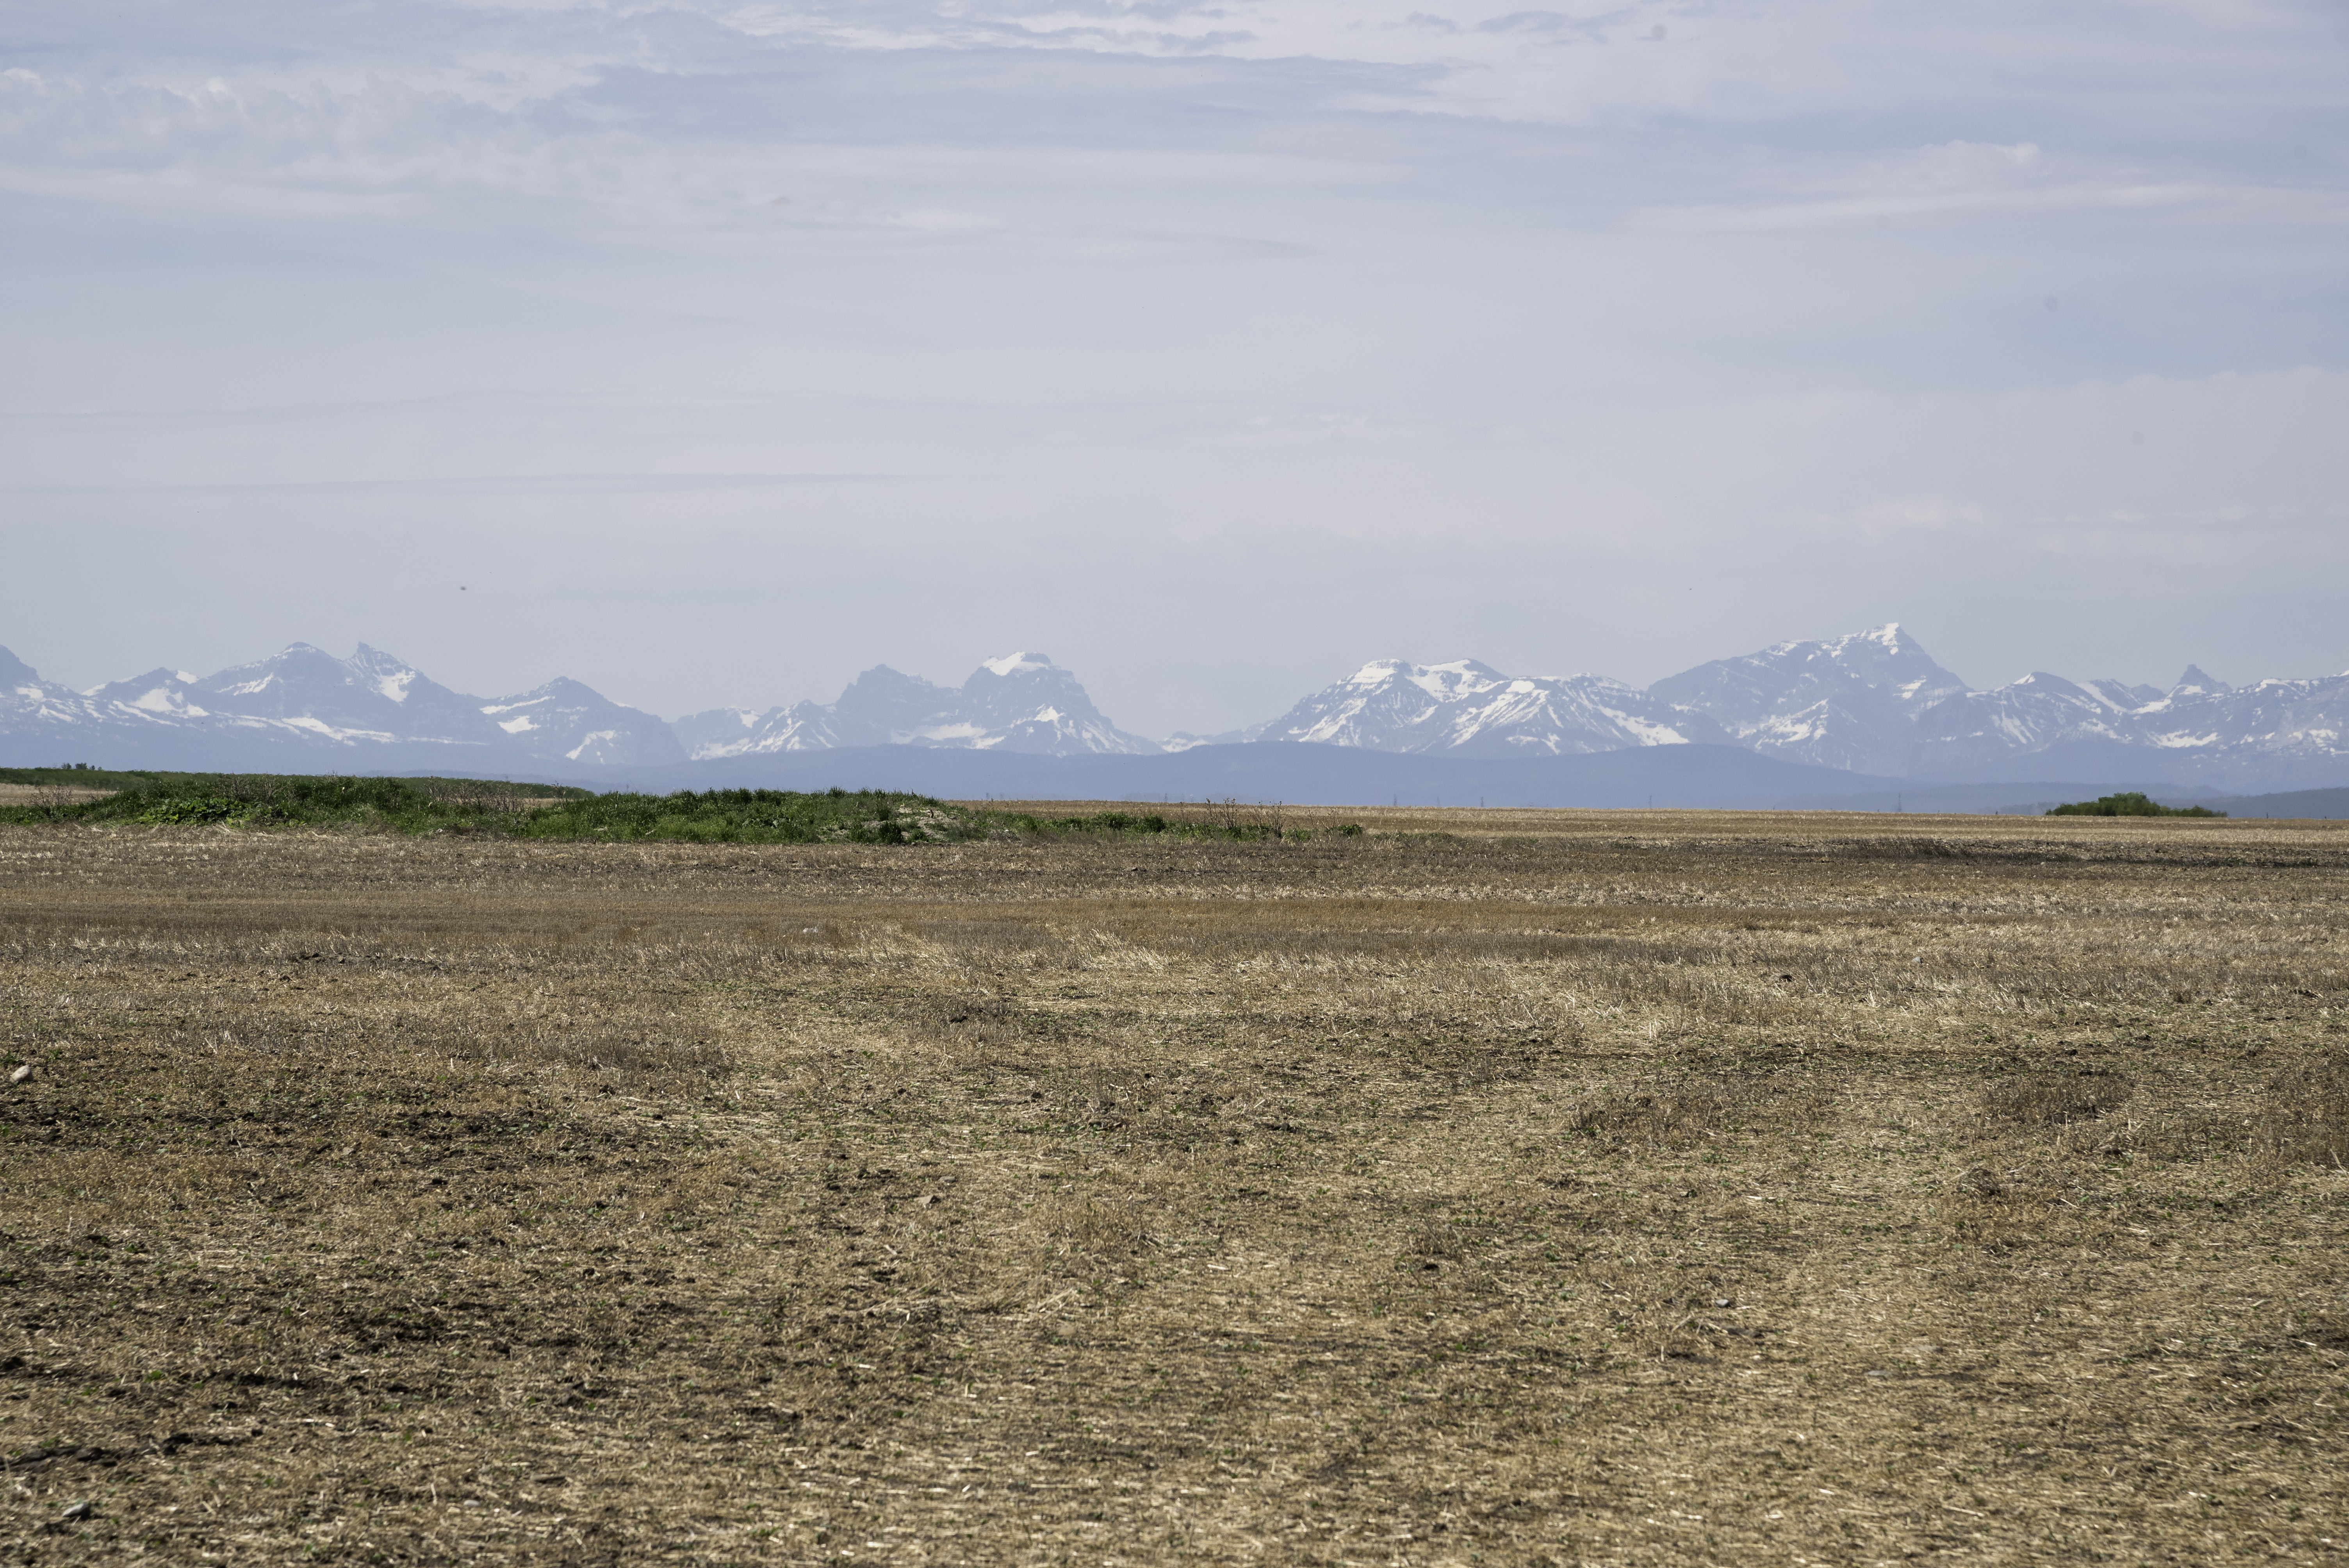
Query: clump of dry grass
[[1683, 1112], [990, 934], [1110, 1228], [2052, 1099], [2305, 1114], [489, 794], [631, 1055], [1669, 1116], [48, 794]]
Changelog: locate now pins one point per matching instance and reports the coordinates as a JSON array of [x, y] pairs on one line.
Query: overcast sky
[[712, 351]]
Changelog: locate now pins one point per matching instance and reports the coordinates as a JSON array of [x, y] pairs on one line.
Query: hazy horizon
[[952, 680], [711, 355]]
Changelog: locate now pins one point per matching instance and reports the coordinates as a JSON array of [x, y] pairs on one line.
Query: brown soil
[[1504, 1187]]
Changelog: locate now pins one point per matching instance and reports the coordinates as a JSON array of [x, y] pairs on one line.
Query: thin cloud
[[1221, 334]]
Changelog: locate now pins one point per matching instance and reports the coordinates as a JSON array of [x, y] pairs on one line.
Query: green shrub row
[[496, 806], [553, 811], [2130, 804], [757, 817]]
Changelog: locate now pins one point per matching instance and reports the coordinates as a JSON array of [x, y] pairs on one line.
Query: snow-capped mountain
[[40, 718], [2041, 710], [1845, 702], [1871, 702], [1474, 711], [2277, 734], [745, 732], [1877, 703], [304, 709], [371, 697], [564, 718], [1023, 702], [1183, 739]]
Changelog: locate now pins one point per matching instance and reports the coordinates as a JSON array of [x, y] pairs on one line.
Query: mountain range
[[1019, 703], [1871, 703]]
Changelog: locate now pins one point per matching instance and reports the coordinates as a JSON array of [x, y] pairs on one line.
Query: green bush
[[210, 809], [2129, 804], [507, 808], [837, 815], [755, 817]]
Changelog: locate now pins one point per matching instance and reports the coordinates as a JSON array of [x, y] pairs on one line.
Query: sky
[[710, 353]]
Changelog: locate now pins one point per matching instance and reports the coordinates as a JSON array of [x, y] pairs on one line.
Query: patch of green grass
[[495, 806], [289, 800], [758, 816], [82, 775], [2129, 804]]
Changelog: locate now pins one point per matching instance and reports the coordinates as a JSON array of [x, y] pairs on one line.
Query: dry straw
[[1513, 1186]]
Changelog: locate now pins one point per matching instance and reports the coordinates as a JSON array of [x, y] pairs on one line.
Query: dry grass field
[[1492, 1187], [47, 795]]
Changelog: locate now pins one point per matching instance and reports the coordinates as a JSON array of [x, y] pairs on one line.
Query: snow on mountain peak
[[1873, 701], [1021, 702], [564, 719], [1842, 702], [1456, 677], [1466, 706], [390, 675]]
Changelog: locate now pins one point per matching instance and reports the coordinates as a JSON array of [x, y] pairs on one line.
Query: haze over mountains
[[1871, 703], [1019, 703]]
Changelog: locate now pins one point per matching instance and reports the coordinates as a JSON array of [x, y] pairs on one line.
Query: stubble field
[[1501, 1186]]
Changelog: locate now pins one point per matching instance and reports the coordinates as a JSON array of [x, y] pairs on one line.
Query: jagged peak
[[389, 674], [883, 674], [1378, 672], [161, 674], [546, 691], [1891, 637], [1015, 664], [2043, 680], [290, 653]]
